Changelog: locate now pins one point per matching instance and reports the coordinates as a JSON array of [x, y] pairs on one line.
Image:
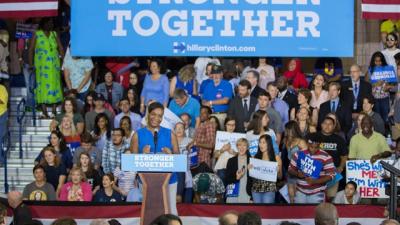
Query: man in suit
[[337, 106], [253, 76], [285, 94], [355, 90], [242, 106]]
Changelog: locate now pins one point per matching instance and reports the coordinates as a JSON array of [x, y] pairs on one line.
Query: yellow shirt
[[389, 26], [364, 148], [3, 99]]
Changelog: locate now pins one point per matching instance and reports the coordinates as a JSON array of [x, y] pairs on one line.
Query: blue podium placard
[[302, 28], [154, 162]]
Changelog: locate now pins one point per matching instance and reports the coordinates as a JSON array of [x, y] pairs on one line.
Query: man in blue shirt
[[183, 103], [217, 94], [279, 105]]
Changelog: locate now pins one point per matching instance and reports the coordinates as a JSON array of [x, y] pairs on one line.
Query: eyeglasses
[[390, 39]]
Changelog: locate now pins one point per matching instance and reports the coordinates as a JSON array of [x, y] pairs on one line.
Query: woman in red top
[[295, 76]]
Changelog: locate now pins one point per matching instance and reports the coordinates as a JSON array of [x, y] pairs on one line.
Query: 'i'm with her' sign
[[212, 28]]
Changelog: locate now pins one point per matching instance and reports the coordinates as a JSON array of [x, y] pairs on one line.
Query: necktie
[[245, 106], [355, 96], [333, 108]]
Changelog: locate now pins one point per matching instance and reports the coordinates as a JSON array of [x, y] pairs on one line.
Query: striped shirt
[[328, 169], [111, 157]]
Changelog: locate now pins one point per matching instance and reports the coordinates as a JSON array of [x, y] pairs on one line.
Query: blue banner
[[309, 166], [213, 28], [154, 162], [384, 73]]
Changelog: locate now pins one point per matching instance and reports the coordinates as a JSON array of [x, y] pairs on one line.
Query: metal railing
[[31, 90], [5, 147], [20, 120], [394, 173]]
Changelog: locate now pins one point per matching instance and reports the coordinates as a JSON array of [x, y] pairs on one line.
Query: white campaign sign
[[264, 170], [223, 138], [169, 119]]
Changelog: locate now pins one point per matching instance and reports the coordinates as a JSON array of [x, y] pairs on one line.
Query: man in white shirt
[[391, 50], [200, 66]]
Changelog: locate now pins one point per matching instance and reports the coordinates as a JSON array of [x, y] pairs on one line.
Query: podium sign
[[154, 162]]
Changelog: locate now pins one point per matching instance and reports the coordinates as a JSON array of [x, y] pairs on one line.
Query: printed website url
[[219, 48]]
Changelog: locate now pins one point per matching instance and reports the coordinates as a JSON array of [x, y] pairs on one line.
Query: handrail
[[7, 146], [20, 119], [394, 173], [31, 89]]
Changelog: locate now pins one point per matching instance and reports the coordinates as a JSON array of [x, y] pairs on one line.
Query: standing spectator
[[355, 90], [21, 212], [208, 80], [91, 174], [387, 27], [357, 126], [337, 106], [326, 214], [112, 151], [184, 80], [45, 52], [107, 193], [88, 103], [4, 54], [303, 118], [39, 190], [185, 186], [99, 107], [242, 106], [275, 123], [71, 136], [318, 93], [264, 191], [102, 131], [303, 100], [311, 189], [217, 94], [349, 195], [155, 86], [367, 106], [125, 111], [54, 169], [279, 105], [253, 76], [77, 73], [267, 72], [295, 76], [77, 189], [187, 120], [286, 94], [126, 125], [69, 108], [87, 146], [391, 50], [3, 115], [367, 143], [111, 91], [237, 175], [134, 103], [208, 188], [134, 84], [201, 64], [184, 103]]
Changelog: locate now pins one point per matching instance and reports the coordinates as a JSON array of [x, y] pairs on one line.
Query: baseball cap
[[99, 97], [216, 69], [203, 183]]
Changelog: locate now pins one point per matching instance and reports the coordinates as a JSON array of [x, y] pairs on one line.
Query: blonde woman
[[71, 136], [184, 80], [77, 189]]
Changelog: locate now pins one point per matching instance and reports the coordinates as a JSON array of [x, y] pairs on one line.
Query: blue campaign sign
[[212, 28], [384, 73], [154, 162], [232, 190], [194, 156], [309, 166]]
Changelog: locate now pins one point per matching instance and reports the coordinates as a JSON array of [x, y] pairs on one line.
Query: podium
[[155, 171]]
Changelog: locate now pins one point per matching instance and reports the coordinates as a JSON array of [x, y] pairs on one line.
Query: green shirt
[[364, 148]]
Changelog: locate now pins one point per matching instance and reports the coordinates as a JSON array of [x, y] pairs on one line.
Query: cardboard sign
[[263, 170], [309, 166], [223, 138], [154, 162], [384, 73], [367, 177]]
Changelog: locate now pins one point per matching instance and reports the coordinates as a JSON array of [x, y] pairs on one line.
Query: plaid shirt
[[205, 134], [112, 156]]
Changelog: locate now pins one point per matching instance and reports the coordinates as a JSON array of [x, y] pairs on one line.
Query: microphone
[[155, 138]]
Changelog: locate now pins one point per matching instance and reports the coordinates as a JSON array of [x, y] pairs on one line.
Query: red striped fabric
[[380, 9], [28, 8]]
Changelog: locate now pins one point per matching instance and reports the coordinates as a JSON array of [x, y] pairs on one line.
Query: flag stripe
[[28, 14], [389, 2], [24, 1], [28, 6], [376, 8], [372, 15]]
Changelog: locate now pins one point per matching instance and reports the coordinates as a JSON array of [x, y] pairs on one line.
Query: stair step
[[22, 91]]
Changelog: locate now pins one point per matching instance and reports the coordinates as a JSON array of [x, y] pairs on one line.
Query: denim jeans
[[263, 197], [382, 106], [302, 198]]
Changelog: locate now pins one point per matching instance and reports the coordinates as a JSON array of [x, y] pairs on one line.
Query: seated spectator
[[264, 191], [185, 186], [167, 219], [99, 222], [107, 193], [64, 221], [71, 136], [237, 176], [87, 146], [21, 213], [311, 188], [249, 218], [303, 118], [187, 121], [367, 143], [278, 104], [39, 190], [184, 103], [303, 101], [92, 175], [337, 127], [390, 222], [111, 154], [326, 214], [102, 131], [275, 123], [77, 189], [184, 80], [54, 168], [127, 181], [226, 152], [134, 104], [112, 91], [357, 126], [155, 86], [99, 107], [89, 103], [286, 94], [349, 195], [367, 106], [266, 71], [58, 143], [228, 218], [318, 93], [125, 111], [208, 188], [126, 125], [214, 121], [295, 76], [69, 108]]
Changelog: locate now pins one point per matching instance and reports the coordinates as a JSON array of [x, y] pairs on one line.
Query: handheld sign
[[232, 190], [194, 156], [368, 178], [223, 138], [263, 170], [309, 166], [384, 73], [154, 162], [253, 143]]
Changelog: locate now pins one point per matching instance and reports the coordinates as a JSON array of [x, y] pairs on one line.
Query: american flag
[[28, 8], [380, 9]]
